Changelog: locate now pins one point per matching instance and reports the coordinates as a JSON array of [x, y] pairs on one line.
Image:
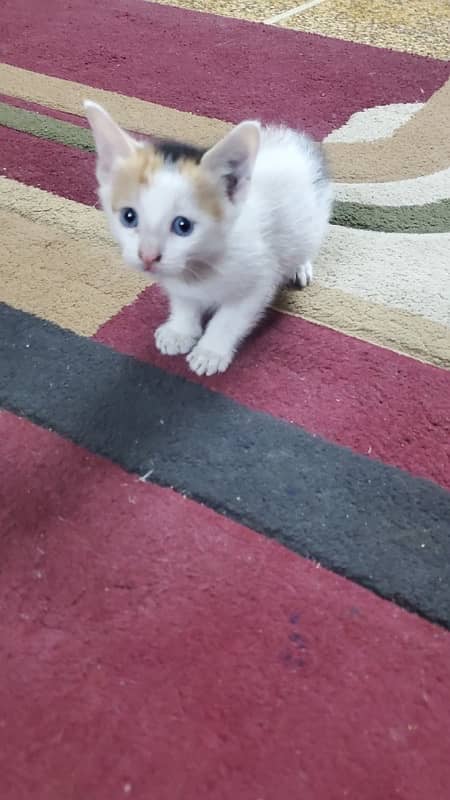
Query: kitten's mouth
[[151, 269]]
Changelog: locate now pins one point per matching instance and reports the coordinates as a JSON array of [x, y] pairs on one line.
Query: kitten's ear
[[111, 142], [231, 160]]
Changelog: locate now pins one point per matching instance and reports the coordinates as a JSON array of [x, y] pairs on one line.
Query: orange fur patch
[[207, 193], [134, 172]]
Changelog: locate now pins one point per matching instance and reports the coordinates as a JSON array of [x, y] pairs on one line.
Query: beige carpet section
[[418, 147], [75, 219], [69, 272], [132, 113], [410, 192], [413, 26], [403, 271], [378, 122], [254, 10], [72, 274]]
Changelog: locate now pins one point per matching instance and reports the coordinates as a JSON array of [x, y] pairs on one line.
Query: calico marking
[[174, 151], [151, 157]]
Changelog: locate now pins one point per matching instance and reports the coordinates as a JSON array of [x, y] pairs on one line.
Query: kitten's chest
[[211, 290]]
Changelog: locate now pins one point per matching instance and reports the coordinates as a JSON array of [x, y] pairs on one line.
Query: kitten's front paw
[[207, 362], [172, 343], [303, 275]]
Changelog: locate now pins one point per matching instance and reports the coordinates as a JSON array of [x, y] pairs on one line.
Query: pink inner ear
[[231, 182]]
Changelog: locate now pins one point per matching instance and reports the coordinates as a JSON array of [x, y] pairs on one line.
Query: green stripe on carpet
[[429, 218]]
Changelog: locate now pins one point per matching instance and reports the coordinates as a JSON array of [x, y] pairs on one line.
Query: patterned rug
[[233, 587]]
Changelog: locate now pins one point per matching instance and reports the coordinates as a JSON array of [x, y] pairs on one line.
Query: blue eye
[[128, 217], [182, 226]]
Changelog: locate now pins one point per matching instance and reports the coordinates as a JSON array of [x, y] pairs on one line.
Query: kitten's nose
[[149, 259]]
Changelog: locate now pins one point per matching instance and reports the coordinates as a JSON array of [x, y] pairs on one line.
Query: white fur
[[270, 233]]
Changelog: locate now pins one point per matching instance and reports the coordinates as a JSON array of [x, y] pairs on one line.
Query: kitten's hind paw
[[172, 343], [206, 362], [303, 275]]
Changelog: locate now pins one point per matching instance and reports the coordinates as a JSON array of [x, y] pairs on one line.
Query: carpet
[[227, 588]]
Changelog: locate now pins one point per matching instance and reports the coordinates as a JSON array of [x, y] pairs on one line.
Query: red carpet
[[198, 661]]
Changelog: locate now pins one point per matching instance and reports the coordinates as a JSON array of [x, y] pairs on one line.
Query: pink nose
[[149, 259]]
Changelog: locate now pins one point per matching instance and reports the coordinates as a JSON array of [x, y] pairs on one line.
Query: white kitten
[[221, 230]]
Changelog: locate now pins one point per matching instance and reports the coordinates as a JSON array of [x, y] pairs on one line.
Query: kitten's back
[[291, 194], [285, 150]]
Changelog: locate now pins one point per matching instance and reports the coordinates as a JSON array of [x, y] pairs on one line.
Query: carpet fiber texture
[[228, 588]]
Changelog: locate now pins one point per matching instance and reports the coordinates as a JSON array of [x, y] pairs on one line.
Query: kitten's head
[[170, 205]]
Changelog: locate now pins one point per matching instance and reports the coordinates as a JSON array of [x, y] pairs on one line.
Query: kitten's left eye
[[182, 226], [128, 217]]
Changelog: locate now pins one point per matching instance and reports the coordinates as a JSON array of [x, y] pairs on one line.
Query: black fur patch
[[174, 151]]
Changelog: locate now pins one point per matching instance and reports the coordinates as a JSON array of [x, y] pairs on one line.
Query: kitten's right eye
[[128, 217]]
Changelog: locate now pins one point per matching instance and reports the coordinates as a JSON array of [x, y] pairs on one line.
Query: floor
[[412, 26], [236, 587]]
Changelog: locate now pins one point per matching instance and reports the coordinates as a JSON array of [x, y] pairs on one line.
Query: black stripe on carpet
[[373, 523]]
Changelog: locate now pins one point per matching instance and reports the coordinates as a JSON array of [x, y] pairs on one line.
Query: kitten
[[221, 230]]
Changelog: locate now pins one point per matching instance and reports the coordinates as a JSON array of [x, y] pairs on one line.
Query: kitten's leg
[[181, 331], [303, 275], [229, 325]]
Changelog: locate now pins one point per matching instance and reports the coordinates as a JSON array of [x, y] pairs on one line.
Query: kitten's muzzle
[[149, 259]]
